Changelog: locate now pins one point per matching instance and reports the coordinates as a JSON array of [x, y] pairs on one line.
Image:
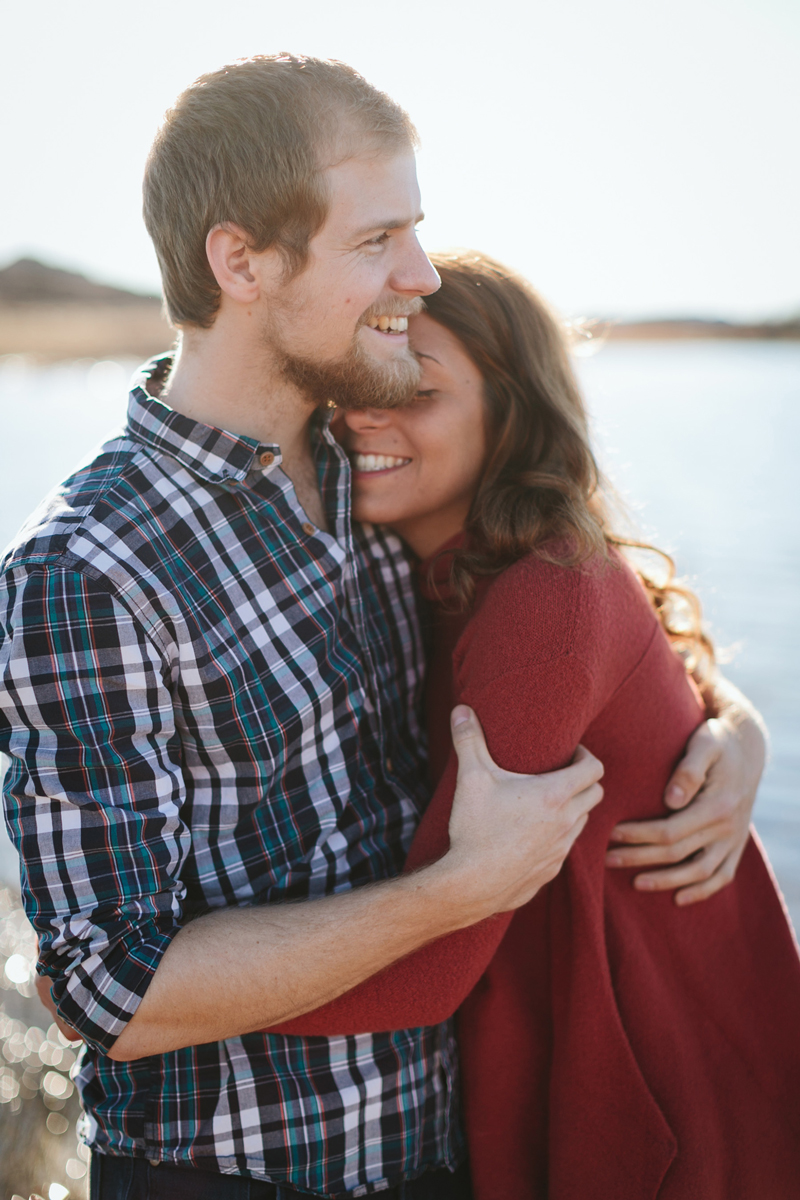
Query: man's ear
[[240, 271]]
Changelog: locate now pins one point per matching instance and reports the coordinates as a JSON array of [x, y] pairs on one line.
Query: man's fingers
[[702, 751], [42, 984], [45, 995], [468, 739], [586, 800], [585, 763], [577, 829], [579, 777]]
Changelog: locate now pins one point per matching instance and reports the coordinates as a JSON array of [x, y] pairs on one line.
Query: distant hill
[[28, 281], [53, 315], [691, 328]]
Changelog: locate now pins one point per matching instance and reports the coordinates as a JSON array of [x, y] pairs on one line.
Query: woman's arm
[[714, 789]]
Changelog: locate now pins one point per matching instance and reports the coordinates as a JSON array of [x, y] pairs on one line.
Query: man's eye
[[379, 240]]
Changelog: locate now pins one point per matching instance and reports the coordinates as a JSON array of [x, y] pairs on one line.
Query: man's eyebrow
[[385, 226]]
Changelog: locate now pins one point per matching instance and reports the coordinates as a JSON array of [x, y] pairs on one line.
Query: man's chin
[[357, 381]]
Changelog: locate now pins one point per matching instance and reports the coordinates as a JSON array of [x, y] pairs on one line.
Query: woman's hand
[[714, 787]]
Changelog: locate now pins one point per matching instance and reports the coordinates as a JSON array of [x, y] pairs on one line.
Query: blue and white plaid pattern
[[207, 702]]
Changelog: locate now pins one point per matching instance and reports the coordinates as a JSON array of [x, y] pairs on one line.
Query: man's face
[[366, 271]]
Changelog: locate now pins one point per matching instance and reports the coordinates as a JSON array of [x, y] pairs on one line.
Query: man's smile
[[387, 328], [388, 324]]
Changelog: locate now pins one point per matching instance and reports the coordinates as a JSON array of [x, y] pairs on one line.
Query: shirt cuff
[[99, 996]]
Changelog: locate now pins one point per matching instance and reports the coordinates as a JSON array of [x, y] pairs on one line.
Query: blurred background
[[638, 161]]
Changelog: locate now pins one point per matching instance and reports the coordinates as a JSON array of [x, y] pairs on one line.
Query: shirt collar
[[212, 454]]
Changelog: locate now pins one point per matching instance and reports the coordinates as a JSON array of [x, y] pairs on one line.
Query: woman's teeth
[[377, 462], [389, 324]]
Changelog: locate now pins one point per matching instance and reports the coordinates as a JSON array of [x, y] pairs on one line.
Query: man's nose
[[415, 274]]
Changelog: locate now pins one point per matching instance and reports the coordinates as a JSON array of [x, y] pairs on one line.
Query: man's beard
[[355, 381]]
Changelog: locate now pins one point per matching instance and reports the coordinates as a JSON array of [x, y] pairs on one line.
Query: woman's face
[[417, 468]]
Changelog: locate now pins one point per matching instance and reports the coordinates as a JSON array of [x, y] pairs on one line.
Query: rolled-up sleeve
[[94, 792]]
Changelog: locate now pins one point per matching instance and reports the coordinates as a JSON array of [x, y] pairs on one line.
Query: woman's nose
[[366, 420]]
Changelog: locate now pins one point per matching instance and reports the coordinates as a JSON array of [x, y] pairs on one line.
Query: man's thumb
[[468, 739]]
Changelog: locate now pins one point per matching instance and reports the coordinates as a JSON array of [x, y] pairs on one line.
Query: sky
[[632, 158]]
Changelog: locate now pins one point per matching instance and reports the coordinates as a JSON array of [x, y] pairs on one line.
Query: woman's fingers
[[715, 809], [702, 752], [699, 867], [703, 816], [714, 883], [667, 854]]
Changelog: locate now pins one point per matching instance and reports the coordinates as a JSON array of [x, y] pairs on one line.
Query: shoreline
[[52, 332]]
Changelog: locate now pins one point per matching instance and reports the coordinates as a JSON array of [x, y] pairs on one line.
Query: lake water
[[702, 438]]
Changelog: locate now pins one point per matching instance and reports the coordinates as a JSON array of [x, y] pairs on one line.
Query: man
[[211, 685]]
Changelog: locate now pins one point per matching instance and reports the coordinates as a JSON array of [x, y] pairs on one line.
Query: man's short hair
[[248, 144]]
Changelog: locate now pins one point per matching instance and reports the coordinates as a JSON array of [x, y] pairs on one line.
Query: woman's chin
[[370, 514]]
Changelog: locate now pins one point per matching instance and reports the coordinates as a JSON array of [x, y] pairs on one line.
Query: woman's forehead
[[434, 343]]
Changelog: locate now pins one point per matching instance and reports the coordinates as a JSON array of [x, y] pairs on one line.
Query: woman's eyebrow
[[419, 354]]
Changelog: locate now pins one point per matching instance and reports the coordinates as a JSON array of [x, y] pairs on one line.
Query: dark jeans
[[136, 1179]]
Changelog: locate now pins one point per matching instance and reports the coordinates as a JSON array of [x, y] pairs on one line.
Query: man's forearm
[[240, 969]]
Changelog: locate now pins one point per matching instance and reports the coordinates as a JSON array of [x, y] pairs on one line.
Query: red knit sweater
[[617, 1047]]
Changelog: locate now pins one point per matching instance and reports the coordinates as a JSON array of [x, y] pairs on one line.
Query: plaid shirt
[[209, 702]]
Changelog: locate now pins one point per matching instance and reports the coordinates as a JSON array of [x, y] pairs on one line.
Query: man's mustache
[[394, 308]]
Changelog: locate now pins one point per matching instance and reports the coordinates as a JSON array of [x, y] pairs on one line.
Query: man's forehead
[[374, 191]]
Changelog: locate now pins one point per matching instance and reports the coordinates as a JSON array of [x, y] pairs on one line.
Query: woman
[[617, 1045]]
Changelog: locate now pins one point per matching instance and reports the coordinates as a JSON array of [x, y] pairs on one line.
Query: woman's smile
[[375, 464]]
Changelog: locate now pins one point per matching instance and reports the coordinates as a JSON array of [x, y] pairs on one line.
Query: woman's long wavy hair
[[541, 491]]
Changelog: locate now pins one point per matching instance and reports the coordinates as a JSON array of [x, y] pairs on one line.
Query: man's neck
[[222, 379]]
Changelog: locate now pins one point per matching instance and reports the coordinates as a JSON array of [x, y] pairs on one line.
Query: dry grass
[[52, 333]]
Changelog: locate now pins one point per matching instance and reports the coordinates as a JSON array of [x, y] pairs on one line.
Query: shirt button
[[154, 1162], [309, 528], [389, 766], [267, 458]]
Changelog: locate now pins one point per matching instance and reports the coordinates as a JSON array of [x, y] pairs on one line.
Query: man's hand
[[714, 786], [509, 833], [46, 997]]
